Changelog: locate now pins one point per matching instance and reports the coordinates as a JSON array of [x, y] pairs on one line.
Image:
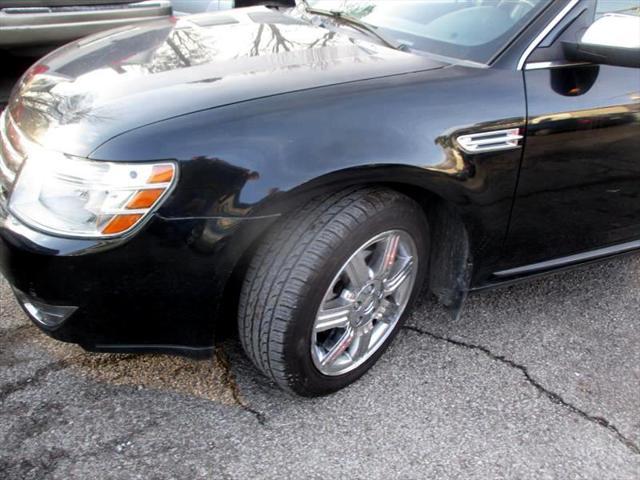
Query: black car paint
[[259, 133], [585, 195]]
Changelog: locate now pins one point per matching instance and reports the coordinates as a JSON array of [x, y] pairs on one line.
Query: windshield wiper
[[356, 23]]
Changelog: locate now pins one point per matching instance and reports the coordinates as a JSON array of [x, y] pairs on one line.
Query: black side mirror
[[611, 40]]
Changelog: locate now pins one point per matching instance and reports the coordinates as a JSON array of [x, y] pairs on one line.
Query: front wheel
[[327, 291]]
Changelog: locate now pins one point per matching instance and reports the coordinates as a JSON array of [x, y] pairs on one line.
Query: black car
[[305, 172]]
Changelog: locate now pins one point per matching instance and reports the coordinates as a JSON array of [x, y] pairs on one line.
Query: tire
[[289, 276]]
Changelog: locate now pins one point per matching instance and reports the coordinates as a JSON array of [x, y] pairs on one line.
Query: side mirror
[[611, 40]]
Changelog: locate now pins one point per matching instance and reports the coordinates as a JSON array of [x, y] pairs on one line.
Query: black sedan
[[306, 172]]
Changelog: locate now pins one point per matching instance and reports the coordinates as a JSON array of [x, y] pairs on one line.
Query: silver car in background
[[186, 7], [32, 23]]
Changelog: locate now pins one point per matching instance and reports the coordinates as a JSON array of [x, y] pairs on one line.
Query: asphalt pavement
[[535, 381]]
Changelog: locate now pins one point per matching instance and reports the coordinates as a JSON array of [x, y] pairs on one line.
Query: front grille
[[11, 157]]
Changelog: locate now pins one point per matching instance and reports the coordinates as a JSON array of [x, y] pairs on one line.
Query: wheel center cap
[[367, 303]]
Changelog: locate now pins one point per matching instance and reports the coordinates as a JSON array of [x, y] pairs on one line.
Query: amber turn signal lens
[[121, 223], [161, 174], [145, 198], [142, 200]]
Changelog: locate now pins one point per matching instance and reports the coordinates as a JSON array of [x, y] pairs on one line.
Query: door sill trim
[[569, 260]]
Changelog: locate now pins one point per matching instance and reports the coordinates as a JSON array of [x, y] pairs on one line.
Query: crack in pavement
[[35, 379], [229, 380], [551, 395]]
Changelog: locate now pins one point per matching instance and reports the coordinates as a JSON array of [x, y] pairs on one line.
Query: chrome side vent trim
[[491, 141]]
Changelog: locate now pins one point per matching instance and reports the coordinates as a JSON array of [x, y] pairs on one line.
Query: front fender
[[260, 157]]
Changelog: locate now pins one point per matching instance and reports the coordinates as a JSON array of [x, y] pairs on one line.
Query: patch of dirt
[[21, 341], [200, 378]]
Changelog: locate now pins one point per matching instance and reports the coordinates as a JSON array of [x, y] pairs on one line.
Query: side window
[[627, 7], [551, 49]]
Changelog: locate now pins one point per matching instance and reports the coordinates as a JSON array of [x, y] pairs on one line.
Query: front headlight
[[86, 198]]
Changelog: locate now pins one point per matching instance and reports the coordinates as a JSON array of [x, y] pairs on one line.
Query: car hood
[[96, 88]]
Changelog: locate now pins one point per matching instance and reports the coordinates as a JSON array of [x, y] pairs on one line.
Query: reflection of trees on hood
[[190, 44], [184, 47], [73, 88], [275, 41], [42, 104], [193, 45]]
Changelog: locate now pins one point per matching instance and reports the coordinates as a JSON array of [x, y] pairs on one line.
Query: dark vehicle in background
[[305, 172], [32, 23]]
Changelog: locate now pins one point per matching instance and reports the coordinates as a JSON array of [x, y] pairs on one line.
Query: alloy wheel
[[364, 302]]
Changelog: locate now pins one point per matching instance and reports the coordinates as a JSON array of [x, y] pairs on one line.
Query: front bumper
[[32, 26], [164, 289]]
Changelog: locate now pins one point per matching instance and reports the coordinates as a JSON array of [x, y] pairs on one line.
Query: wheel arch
[[450, 256]]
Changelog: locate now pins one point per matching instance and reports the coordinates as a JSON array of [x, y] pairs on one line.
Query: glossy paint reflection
[[94, 89], [399, 129], [580, 182]]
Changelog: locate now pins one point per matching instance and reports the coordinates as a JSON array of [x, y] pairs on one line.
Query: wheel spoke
[[339, 348], [392, 284], [363, 343], [357, 270], [388, 311], [389, 255], [333, 317]]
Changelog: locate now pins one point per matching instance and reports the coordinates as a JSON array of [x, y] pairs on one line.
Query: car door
[[579, 186]]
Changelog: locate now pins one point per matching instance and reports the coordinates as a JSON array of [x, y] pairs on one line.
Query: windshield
[[474, 30]]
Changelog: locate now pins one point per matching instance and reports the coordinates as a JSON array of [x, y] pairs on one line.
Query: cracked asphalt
[[535, 381]]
